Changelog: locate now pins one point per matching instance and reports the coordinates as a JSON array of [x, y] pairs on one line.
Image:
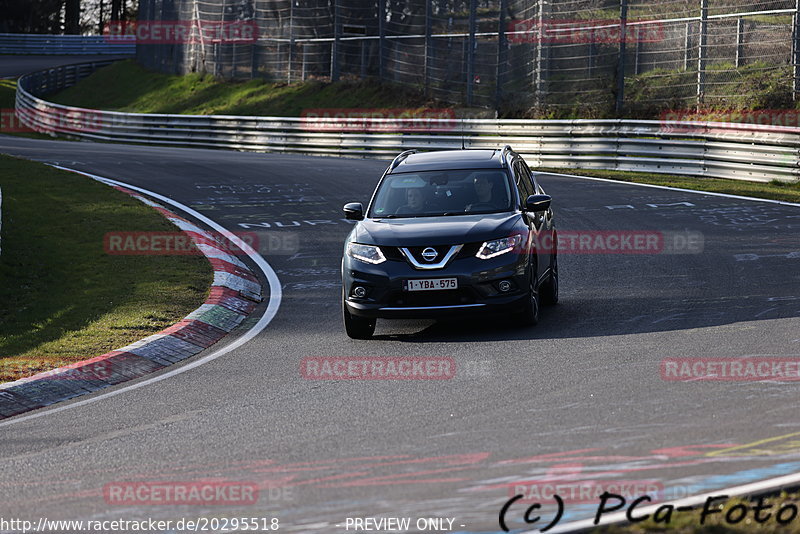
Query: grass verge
[[127, 86], [62, 298], [774, 190]]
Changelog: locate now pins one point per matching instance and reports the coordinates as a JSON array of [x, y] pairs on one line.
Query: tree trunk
[[115, 9], [72, 17]]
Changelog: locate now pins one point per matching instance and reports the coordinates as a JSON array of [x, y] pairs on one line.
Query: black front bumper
[[478, 288]]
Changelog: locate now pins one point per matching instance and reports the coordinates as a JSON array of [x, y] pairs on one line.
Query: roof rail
[[400, 157], [503, 151]]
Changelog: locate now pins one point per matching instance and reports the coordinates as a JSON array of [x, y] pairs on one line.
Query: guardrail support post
[[501, 55], [701, 53], [473, 8], [623, 30]]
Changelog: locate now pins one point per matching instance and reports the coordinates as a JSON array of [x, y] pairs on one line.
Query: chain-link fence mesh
[[520, 57]]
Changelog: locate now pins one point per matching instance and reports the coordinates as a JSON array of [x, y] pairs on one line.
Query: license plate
[[430, 284]]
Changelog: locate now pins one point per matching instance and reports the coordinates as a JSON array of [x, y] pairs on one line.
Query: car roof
[[450, 160]]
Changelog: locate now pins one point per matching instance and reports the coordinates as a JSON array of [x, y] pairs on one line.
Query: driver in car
[[415, 202], [484, 190]]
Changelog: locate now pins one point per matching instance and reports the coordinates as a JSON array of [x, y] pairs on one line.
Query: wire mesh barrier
[[715, 149], [536, 58], [15, 43]]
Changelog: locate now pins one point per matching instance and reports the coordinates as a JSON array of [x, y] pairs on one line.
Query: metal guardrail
[[710, 149], [19, 43]]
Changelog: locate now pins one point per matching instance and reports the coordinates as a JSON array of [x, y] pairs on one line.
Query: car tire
[[357, 327], [549, 290], [529, 316]]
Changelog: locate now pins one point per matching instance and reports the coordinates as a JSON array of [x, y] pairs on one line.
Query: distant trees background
[[63, 16]]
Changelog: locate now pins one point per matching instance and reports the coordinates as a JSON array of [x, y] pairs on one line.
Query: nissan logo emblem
[[429, 254]]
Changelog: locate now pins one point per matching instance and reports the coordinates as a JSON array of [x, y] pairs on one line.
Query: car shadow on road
[[593, 317]]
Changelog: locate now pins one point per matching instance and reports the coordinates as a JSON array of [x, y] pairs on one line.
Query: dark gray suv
[[450, 232]]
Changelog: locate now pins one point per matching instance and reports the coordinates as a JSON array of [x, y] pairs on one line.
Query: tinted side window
[[523, 181], [537, 190]]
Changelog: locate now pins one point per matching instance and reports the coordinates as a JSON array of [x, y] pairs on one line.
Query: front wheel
[[357, 327], [549, 289], [529, 316]]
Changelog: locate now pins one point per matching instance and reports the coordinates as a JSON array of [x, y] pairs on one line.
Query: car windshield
[[437, 193]]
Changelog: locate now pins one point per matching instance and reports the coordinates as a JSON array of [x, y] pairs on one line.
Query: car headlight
[[490, 249], [365, 253]]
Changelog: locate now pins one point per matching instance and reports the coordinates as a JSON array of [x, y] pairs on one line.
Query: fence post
[[473, 8], [592, 57], [363, 73], [623, 29], [538, 71], [291, 43], [253, 60], [428, 44], [796, 51], [382, 38], [337, 33], [303, 73], [739, 41], [501, 55], [701, 53], [687, 41]]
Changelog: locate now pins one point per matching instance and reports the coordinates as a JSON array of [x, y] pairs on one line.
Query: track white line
[[275, 294], [668, 188]]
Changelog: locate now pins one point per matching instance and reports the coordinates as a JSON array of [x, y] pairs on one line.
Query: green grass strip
[[62, 298], [129, 87], [774, 190]]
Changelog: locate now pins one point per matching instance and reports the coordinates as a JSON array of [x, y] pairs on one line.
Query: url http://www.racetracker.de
[[201, 524]]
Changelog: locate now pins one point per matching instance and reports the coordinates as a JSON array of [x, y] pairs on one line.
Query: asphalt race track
[[579, 397]]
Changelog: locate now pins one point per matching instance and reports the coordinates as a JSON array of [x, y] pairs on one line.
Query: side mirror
[[538, 202], [354, 211]]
